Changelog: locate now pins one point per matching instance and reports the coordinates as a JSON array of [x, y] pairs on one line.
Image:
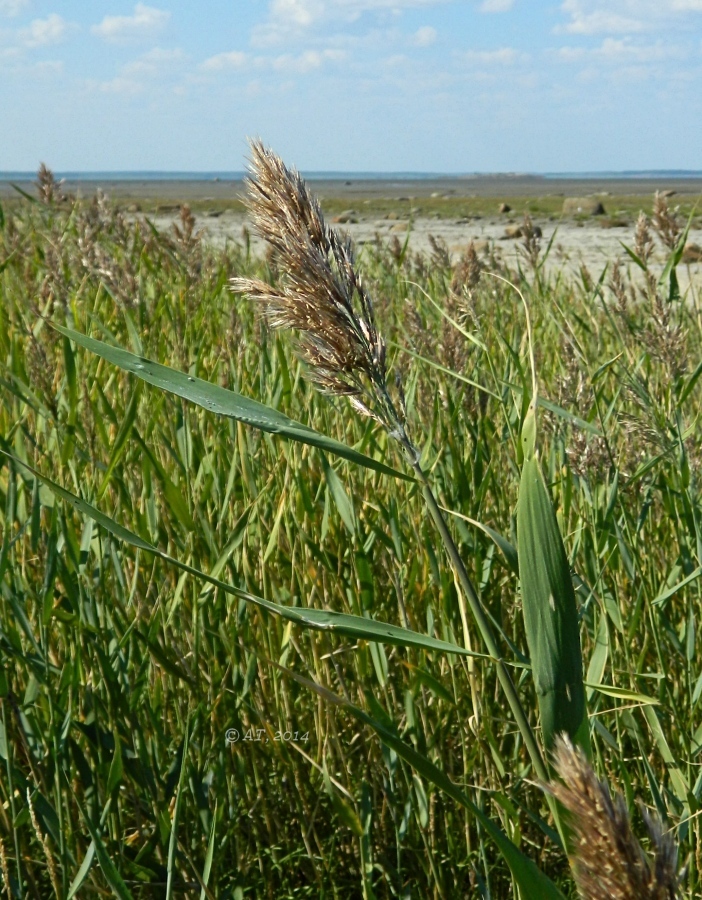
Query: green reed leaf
[[550, 612], [224, 402]]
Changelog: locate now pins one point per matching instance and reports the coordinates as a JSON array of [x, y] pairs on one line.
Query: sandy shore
[[456, 209], [574, 243]]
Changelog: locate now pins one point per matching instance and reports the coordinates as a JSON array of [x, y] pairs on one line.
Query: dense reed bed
[[162, 736]]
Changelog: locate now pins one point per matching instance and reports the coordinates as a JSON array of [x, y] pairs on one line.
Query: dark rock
[[348, 217], [692, 253], [583, 206]]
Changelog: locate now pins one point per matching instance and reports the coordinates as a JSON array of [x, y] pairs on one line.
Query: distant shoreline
[[236, 176], [349, 187]]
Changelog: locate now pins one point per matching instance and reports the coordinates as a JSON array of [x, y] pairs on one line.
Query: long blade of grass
[[173, 840], [109, 870], [82, 873], [357, 627], [224, 402], [550, 612], [505, 547], [209, 855]]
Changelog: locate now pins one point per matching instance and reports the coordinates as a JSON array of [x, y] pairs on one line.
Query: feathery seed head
[[320, 294], [608, 861]]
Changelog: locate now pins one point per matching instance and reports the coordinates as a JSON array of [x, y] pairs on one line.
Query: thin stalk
[[13, 810]]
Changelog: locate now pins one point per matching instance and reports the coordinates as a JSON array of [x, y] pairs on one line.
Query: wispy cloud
[[424, 36], [286, 17], [154, 62], [306, 12], [298, 64], [145, 21], [125, 87], [12, 7], [587, 17], [307, 61], [222, 62], [623, 51], [503, 56], [496, 6], [44, 32]]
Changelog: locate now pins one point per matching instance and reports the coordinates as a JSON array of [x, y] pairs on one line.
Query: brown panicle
[[319, 293], [607, 860]]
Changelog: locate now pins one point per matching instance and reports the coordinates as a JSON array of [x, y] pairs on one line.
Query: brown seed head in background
[[608, 861]]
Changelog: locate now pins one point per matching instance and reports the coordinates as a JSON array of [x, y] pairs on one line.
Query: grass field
[[124, 678]]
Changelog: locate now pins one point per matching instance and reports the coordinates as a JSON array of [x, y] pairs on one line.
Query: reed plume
[[319, 293], [607, 860]]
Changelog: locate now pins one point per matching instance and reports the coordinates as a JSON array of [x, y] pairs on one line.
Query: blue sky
[[352, 85]]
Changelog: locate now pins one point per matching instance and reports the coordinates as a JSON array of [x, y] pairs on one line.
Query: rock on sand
[[582, 206], [692, 253]]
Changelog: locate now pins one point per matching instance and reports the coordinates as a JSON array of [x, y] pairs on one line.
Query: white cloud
[[48, 67], [145, 21], [125, 87], [424, 36], [504, 56], [43, 32], [234, 59], [622, 16], [153, 62], [588, 17], [299, 64], [496, 6], [621, 51], [306, 62], [303, 15], [299, 12], [12, 7], [306, 12]]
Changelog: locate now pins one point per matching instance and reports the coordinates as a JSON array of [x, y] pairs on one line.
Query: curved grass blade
[[564, 414], [173, 840], [109, 870], [444, 369], [623, 694], [550, 612], [224, 402], [505, 547], [82, 873], [357, 627], [532, 882], [209, 855]]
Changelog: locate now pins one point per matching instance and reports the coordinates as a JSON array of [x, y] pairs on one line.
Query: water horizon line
[[338, 175]]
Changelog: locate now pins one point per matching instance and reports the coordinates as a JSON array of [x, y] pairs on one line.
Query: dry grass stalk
[[50, 190], [531, 242], [466, 274], [319, 294], [608, 861], [665, 221], [6, 889], [43, 840], [643, 239]]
